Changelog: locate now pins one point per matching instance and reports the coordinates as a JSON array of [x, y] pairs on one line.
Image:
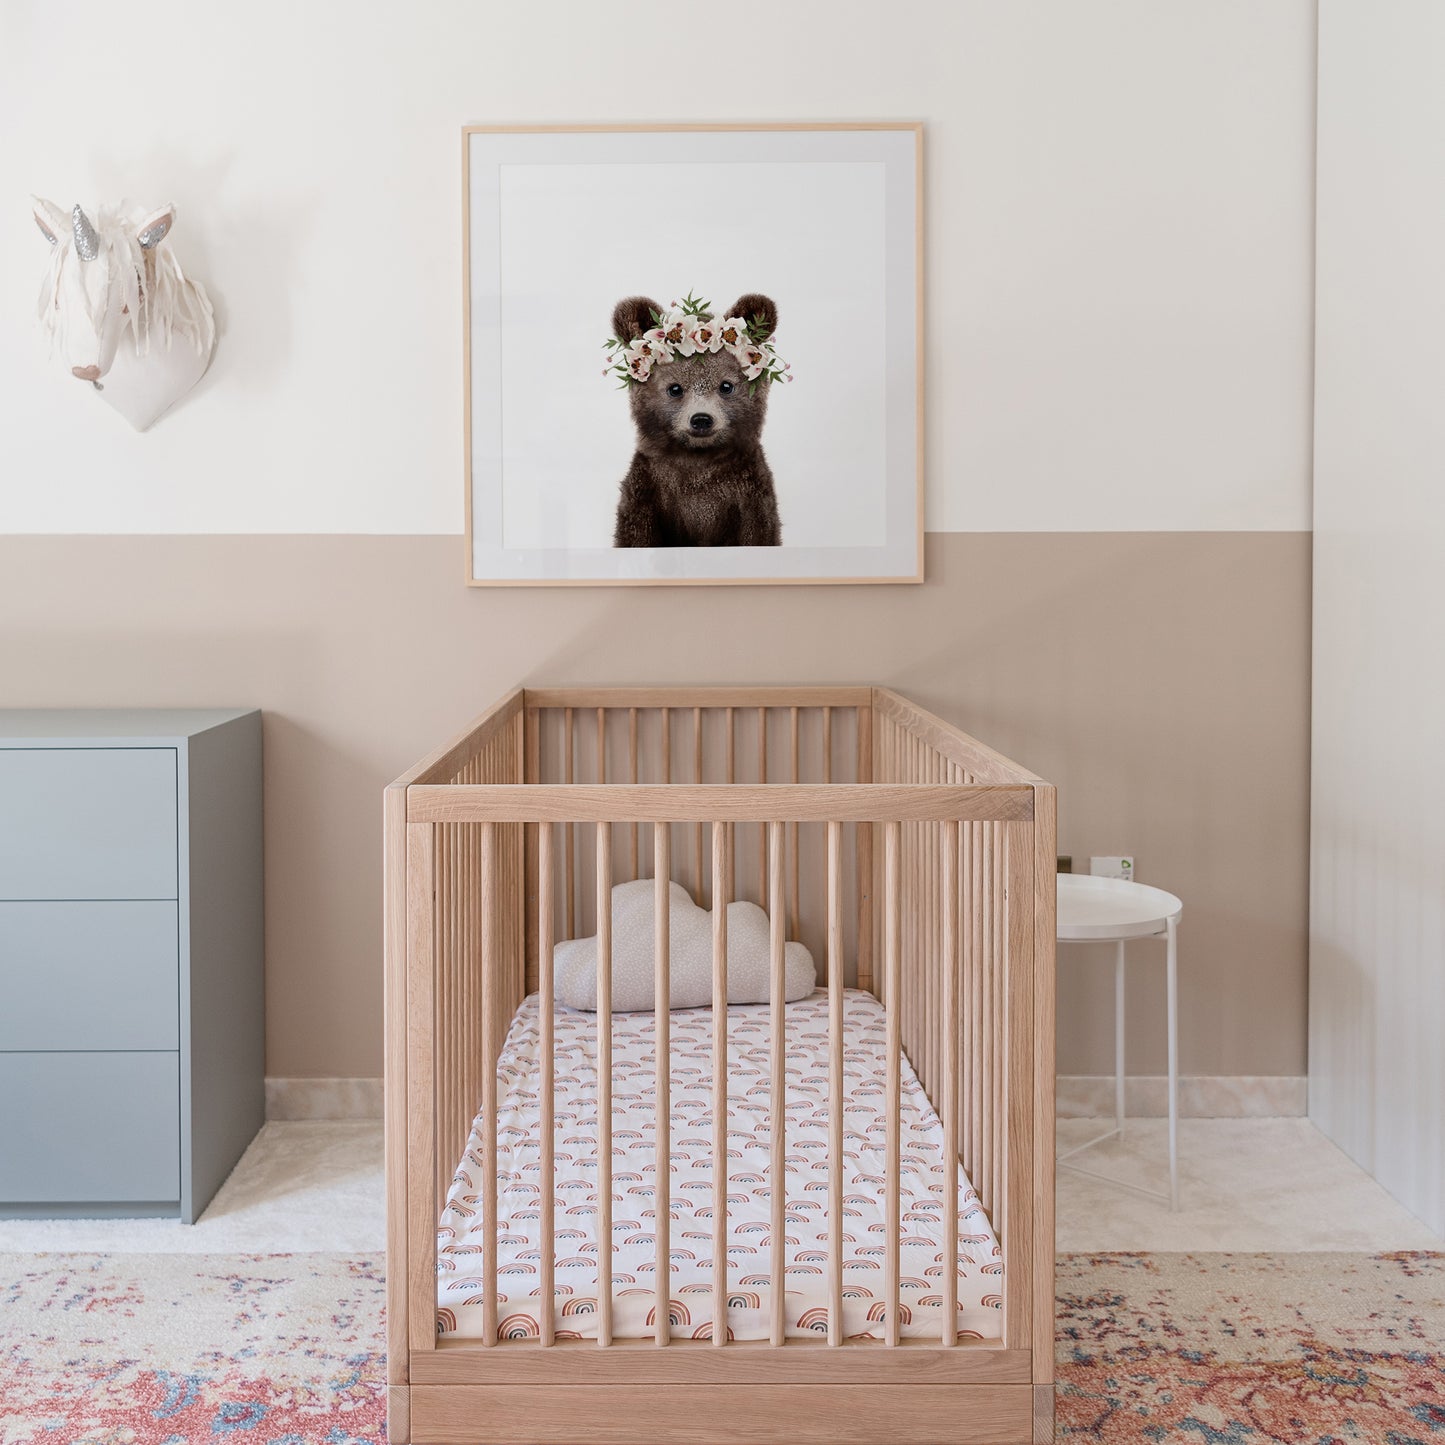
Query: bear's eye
[[675, 389], [726, 388]]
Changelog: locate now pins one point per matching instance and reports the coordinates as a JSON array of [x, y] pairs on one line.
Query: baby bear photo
[[666, 445], [698, 386]]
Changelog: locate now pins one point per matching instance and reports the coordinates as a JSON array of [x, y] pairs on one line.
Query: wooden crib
[[916, 864]]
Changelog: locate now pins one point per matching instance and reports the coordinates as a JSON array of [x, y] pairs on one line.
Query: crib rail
[[865, 826]]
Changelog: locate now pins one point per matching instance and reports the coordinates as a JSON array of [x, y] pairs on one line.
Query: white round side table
[[1114, 910]]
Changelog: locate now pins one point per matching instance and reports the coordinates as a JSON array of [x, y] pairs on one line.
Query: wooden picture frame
[[548, 459]]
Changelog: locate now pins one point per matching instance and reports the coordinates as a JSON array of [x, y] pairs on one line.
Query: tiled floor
[[300, 1186], [1272, 1185], [1251, 1185]]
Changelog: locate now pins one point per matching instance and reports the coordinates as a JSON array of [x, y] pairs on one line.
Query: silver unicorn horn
[[87, 243]]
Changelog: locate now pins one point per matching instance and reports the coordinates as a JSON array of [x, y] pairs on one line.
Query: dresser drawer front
[[102, 1128], [84, 976], [87, 823]]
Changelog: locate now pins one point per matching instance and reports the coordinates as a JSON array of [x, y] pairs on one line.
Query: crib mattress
[[924, 1166]]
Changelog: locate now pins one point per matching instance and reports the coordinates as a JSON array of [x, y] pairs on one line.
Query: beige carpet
[[175, 1349], [1244, 1349]]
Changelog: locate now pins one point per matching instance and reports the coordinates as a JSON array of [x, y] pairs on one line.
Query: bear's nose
[[86, 373], [701, 421]]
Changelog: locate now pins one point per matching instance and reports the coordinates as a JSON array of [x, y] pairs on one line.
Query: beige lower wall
[[1160, 679]]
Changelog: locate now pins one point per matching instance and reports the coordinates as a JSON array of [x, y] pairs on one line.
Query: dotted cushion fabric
[[689, 955]]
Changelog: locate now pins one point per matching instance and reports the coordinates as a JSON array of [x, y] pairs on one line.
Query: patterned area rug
[[1208, 1349], [1244, 1349], [175, 1349]]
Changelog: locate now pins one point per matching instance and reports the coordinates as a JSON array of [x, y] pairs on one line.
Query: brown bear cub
[[699, 477]]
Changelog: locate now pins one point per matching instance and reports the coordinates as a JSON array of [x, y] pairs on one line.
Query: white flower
[[733, 331], [676, 331], [752, 359], [655, 341], [707, 334], [638, 359]]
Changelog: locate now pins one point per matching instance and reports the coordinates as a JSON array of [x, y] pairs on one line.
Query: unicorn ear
[[53, 222], [153, 230]]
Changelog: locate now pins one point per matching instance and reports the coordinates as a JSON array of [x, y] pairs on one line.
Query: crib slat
[[762, 827], [976, 1009], [546, 1007], [892, 947], [697, 778], [835, 1085], [662, 1024], [721, 846], [604, 1083], [948, 1334], [794, 840], [569, 829], [987, 965], [632, 777], [864, 849], [777, 1100], [732, 832], [491, 963]]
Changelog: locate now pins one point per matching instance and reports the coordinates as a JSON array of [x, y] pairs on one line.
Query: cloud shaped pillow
[[689, 954]]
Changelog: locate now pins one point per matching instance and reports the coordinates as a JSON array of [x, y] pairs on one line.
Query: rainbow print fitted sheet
[[519, 1172]]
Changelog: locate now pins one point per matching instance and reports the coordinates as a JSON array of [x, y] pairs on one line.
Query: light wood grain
[[698, 697], [1045, 845], [892, 962], [445, 762], [491, 965], [964, 931], [738, 803], [1019, 1204], [547, 1064], [951, 742], [421, 1209], [777, 1087], [637, 1362], [604, 1084], [864, 848], [394, 934], [949, 1087], [398, 1415], [721, 848], [835, 1085], [662, 1107], [1043, 1414], [845, 1414]]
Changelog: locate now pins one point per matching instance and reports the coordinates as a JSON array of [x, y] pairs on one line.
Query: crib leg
[[1043, 1415], [398, 1414]]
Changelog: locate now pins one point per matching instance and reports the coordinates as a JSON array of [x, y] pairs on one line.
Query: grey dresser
[[132, 1046]]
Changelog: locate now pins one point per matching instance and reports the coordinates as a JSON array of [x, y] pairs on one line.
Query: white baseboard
[[1201, 1096], [323, 1098]]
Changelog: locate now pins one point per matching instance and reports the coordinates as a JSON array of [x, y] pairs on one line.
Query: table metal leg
[[1119, 1039], [1173, 987]]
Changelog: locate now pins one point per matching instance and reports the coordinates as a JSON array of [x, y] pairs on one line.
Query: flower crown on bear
[[690, 329]]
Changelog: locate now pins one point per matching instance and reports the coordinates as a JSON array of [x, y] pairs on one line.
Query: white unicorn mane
[[158, 297]]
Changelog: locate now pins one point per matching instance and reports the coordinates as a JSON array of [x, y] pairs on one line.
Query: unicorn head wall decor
[[124, 316]]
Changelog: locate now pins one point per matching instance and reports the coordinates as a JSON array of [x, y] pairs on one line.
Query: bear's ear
[[756, 310], [634, 316]]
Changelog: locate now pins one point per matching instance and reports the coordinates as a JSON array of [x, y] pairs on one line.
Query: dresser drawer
[[89, 1128], [87, 823], [85, 976]]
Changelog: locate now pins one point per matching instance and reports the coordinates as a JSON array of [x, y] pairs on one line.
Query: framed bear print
[[693, 354]]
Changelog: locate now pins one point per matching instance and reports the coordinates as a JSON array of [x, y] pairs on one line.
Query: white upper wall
[[1118, 259]]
